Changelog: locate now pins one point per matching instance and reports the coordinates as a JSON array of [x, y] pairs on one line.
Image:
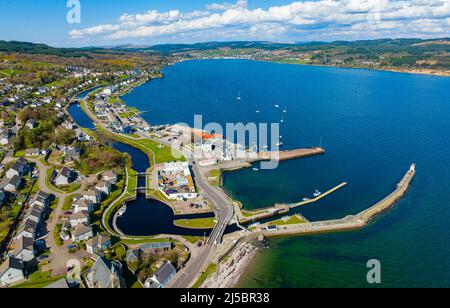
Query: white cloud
[[329, 19]]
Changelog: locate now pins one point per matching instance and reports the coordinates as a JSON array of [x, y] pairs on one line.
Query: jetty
[[351, 222], [279, 209], [287, 155]]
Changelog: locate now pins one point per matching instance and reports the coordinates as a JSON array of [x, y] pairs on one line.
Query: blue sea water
[[374, 125]]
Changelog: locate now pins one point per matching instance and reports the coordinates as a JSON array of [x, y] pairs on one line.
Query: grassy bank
[[199, 223]]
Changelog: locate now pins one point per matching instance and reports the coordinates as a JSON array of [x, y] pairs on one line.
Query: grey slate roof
[[164, 272], [10, 262]]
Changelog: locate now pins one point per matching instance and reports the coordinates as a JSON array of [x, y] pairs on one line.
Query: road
[[59, 254]]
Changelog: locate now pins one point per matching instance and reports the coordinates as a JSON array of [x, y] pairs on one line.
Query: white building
[[11, 271], [23, 249]]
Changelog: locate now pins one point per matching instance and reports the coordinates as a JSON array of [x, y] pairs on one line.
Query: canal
[[143, 217]]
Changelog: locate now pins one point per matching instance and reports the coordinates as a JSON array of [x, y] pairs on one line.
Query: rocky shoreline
[[231, 269]]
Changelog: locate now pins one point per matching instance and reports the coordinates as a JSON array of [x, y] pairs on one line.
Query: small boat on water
[[239, 97], [317, 193], [306, 199], [266, 147], [279, 144], [284, 111], [255, 169], [257, 111], [277, 106], [122, 211]]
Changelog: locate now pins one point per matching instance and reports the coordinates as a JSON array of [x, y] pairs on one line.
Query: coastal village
[[63, 187]]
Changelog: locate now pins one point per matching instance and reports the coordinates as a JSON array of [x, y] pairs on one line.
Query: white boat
[[239, 97], [306, 199], [266, 147], [284, 111], [255, 169], [277, 106], [279, 144], [317, 193], [122, 211], [257, 111]]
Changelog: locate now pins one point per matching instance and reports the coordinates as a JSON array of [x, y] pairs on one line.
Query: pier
[[280, 209], [351, 222], [289, 154]]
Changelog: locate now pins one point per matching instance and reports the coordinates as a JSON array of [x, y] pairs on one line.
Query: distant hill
[[380, 45]]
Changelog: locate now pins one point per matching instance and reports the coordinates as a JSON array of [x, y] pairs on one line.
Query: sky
[[59, 23]]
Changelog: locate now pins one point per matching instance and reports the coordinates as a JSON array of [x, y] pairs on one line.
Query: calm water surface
[[374, 125]]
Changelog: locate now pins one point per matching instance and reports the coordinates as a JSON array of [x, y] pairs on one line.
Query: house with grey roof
[[11, 271], [162, 276], [31, 124], [110, 176], [40, 199], [27, 229], [79, 218], [24, 249], [105, 275], [133, 255], [71, 154], [93, 195], [32, 152], [19, 168], [34, 214], [11, 184], [103, 187], [98, 243], [157, 247], [81, 205], [64, 177], [82, 233]]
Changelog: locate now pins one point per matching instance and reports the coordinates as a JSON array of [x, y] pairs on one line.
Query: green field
[[199, 223], [38, 280], [291, 221], [210, 270]]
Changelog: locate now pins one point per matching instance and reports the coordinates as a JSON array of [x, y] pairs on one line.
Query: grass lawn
[[38, 280], [250, 214], [214, 176], [144, 241], [192, 239], [199, 223], [210, 270], [290, 221], [162, 153], [67, 205]]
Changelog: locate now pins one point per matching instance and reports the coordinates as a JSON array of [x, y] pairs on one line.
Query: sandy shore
[[230, 270]]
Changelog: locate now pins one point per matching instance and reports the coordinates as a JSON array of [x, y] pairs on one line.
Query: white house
[[31, 124], [63, 177], [82, 233], [98, 243], [162, 276], [81, 205], [40, 199], [11, 184], [11, 271], [23, 249], [32, 152], [4, 138], [19, 168], [27, 229], [110, 176], [103, 187], [79, 218], [93, 195]]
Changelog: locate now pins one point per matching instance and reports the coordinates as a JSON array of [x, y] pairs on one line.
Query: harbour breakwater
[[351, 222]]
